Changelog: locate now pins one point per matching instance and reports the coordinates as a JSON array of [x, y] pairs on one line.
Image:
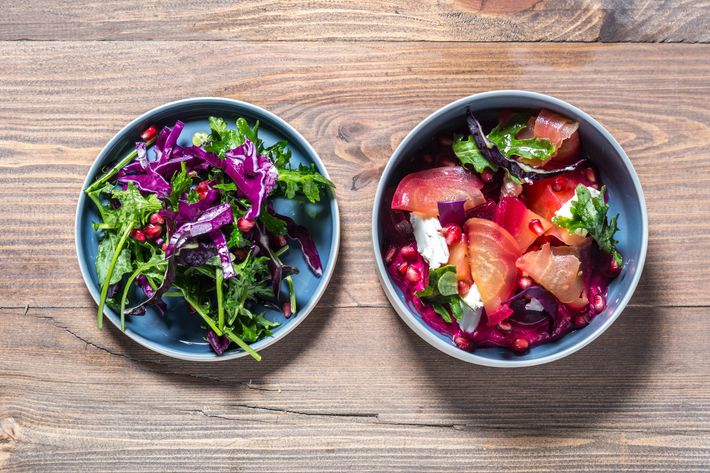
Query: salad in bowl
[[500, 235], [193, 221]]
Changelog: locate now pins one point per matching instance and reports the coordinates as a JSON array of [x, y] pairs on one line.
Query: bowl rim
[[419, 326], [325, 278]]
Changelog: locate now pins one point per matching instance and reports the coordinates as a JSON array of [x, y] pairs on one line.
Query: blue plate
[[625, 198], [179, 334]]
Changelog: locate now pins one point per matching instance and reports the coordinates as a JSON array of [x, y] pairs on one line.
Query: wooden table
[[352, 389]]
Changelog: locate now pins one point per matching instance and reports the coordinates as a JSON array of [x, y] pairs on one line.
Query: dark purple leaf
[[300, 234], [196, 256], [526, 317], [519, 169], [143, 283], [276, 267], [158, 293], [218, 344]]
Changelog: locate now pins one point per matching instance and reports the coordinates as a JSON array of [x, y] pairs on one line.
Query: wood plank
[[393, 20], [351, 389], [61, 101]]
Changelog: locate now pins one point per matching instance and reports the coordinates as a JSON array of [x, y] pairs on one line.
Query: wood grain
[[352, 390], [392, 20], [62, 101]]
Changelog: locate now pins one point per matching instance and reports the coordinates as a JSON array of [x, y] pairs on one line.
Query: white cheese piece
[[534, 305], [430, 242], [566, 209], [472, 314]]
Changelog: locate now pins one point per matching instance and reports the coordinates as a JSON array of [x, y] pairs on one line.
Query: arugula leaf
[[469, 154], [107, 247], [181, 183], [589, 213], [279, 153], [135, 209], [237, 239], [222, 139], [273, 224], [244, 131], [305, 180], [530, 148], [252, 282]]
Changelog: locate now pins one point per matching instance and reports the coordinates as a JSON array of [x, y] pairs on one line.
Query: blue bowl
[[179, 334], [625, 197]]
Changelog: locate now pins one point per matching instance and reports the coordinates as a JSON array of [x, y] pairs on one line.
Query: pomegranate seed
[[463, 343], [281, 241], [452, 234], [202, 187], [487, 175], [413, 275], [520, 345], [138, 235], [535, 226], [579, 321], [287, 309], [164, 247], [157, 219], [428, 158], [153, 231], [591, 175], [505, 327], [402, 268], [559, 184], [464, 287], [598, 303], [408, 252], [148, 133], [614, 268], [524, 282], [444, 140], [245, 225], [389, 255]]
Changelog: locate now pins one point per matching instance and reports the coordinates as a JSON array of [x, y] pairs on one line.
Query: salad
[[198, 223], [500, 237]]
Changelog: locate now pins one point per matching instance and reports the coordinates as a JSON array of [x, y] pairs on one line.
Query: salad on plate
[[198, 223], [501, 236]]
